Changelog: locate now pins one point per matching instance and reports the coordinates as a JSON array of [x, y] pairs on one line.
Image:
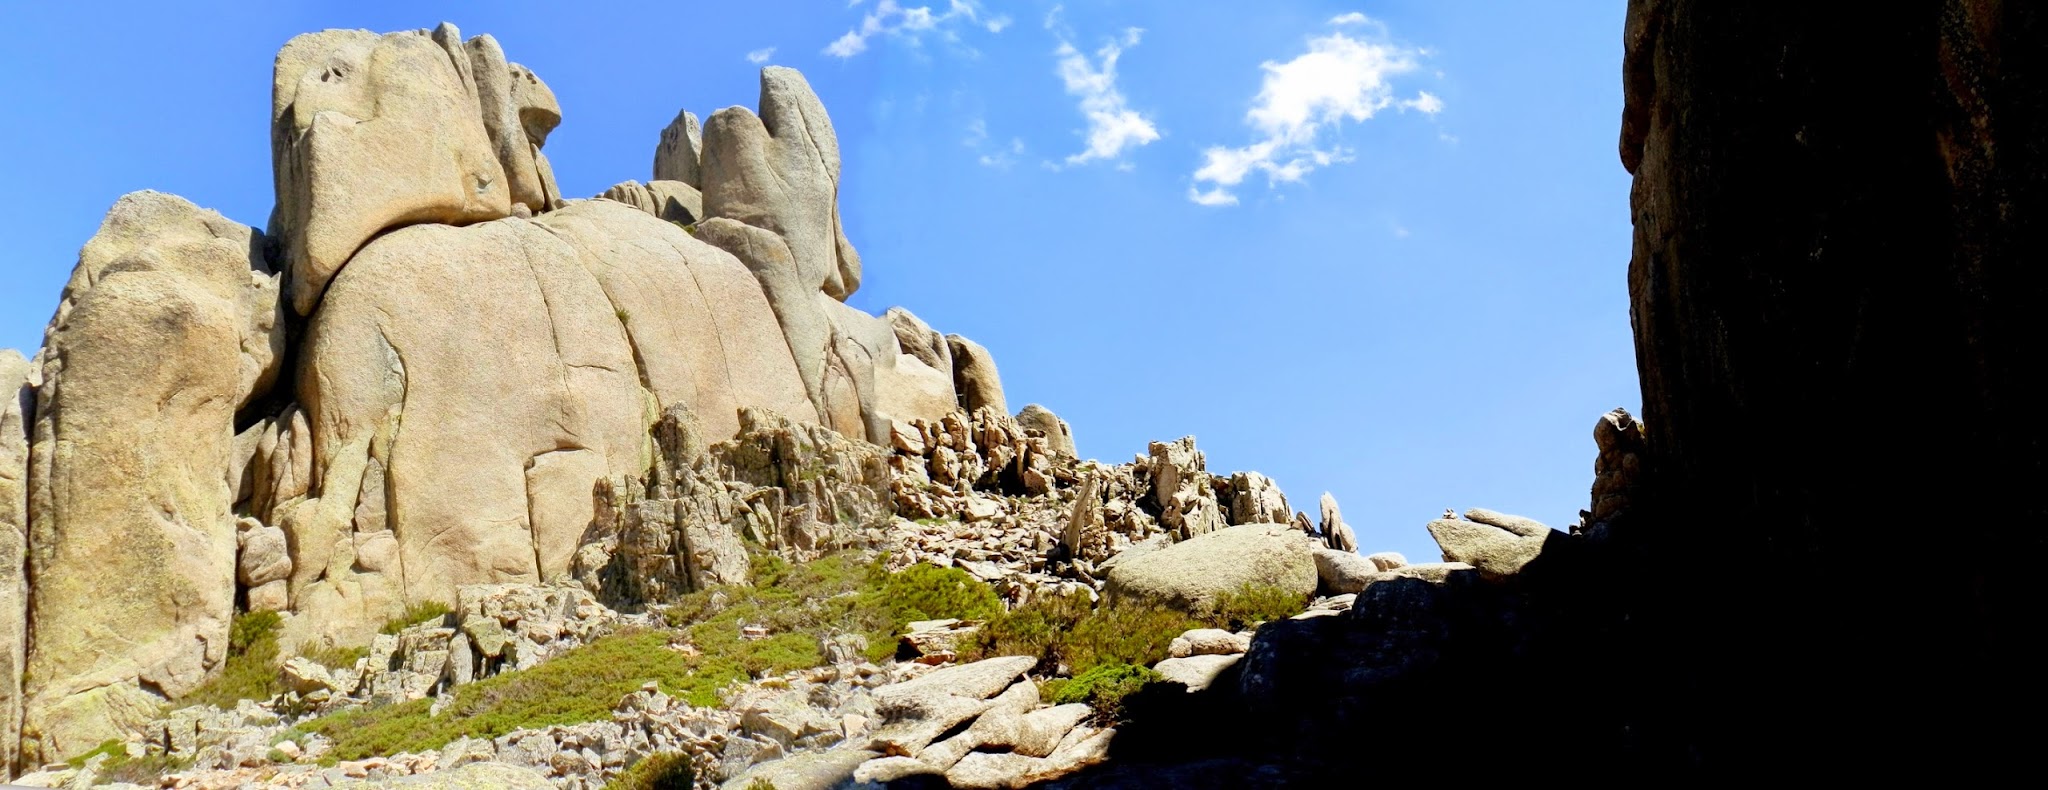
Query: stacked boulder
[[417, 377]]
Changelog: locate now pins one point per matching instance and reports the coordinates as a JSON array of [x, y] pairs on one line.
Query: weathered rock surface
[[915, 713], [1182, 489], [1335, 532], [975, 376], [1058, 437], [1190, 575], [475, 776], [476, 490], [1256, 499], [780, 172], [16, 415], [1498, 545], [1343, 571], [1208, 642], [372, 132], [918, 339], [671, 201], [168, 328], [1196, 672], [678, 156]]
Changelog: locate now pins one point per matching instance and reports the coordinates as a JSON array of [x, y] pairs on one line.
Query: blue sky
[[1374, 248]]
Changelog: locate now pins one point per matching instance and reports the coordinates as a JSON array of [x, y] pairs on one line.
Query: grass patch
[[658, 771], [414, 615], [250, 671]]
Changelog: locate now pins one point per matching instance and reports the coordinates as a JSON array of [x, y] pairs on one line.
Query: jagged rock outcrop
[[167, 329], [16, 415], [796, 489], [1182, 490], [680, 153], [1498, 545]]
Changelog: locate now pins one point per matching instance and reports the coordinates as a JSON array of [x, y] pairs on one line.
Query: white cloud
[[1112, 125], [761, 55], [1340, 77], [1213, 197], [910, 24]]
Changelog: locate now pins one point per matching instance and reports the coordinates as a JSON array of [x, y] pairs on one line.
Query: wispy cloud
[[1000, 158], [1112, 125], [761, 55], [910, 24], [1341, 76]]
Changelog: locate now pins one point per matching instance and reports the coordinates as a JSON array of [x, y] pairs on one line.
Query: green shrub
[[415, 614], [658, 771], [929, 592], [1102, 688], [250, 671], [1068, 631]]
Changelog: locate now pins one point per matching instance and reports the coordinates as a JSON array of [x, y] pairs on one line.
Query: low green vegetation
[[658, 771], [250, 671], [119, 767], [1106, 648], [820, 599], [801, 606], [415, 614], [581, 685], [1103, 687]]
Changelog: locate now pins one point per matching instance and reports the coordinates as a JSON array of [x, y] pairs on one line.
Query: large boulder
[[168, 329], [15, 413], [1059, 438], [1498, 545], [1193, 574], [919, 339], [370, 133], [975, 376]]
